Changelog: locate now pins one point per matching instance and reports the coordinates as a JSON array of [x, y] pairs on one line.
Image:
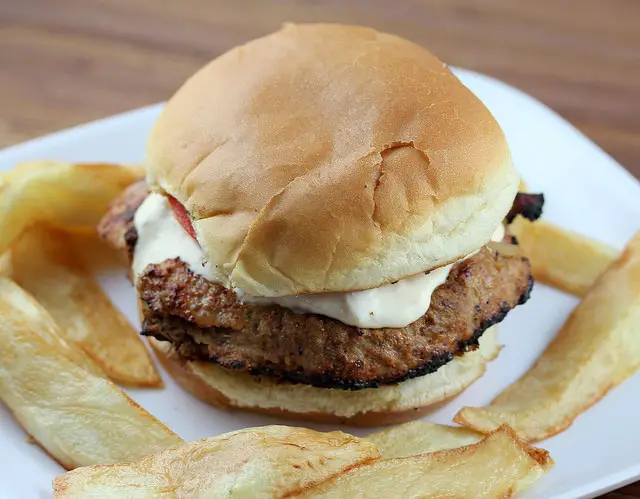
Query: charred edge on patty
[[527, 205]]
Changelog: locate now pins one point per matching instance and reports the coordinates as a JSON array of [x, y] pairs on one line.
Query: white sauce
[[391, 305], [160, 237]]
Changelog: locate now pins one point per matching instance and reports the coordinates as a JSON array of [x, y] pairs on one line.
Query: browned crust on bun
[[326, 158]]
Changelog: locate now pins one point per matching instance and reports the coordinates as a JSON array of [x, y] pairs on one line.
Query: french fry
[[40, 319], [60, 194], [77, 417], [5, 264], [26, 167], [266, 462], [595, 350], [496, 467], [562, 258], [43, 262], [419, 437]]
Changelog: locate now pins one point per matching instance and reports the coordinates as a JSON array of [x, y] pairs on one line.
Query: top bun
[[331, 158]]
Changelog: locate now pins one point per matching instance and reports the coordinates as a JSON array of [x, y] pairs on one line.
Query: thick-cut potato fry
[[596, 349], [77, 417], [266, 462], [419, 437], [5, 264], [562, 258], [43, 262], [39, 318], [36, 166], [60, 194], [496, 467]]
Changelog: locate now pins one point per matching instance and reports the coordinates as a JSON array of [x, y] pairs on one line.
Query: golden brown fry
[[496, 467], [60, 194], [96, 253], [596, 349], [25, 305], [43, 262], [77, 417], [26, 167], [266, 462], [5, 264], [562, 258], [419, 437]]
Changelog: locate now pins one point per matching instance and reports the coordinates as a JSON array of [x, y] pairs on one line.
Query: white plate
[[586, 190]]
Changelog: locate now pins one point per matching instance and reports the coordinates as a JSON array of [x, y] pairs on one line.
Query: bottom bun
[[388, 404]]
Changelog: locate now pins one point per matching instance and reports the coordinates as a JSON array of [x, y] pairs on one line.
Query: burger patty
[[205, 321]]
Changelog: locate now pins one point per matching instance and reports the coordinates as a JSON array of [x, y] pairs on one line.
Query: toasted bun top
[[331, 158]]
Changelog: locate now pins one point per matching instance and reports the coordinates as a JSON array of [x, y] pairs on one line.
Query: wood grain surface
[[65, 62]]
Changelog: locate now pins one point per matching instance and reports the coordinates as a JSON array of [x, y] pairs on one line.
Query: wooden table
[[72, 61]]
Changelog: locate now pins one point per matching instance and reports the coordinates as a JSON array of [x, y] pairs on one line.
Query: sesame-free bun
[[388, 404], [331, 158]]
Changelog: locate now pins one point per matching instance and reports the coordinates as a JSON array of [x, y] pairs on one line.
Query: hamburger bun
[[388, 404], [331, 158]]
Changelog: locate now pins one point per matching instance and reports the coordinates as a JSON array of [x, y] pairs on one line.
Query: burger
[[321, 233]]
